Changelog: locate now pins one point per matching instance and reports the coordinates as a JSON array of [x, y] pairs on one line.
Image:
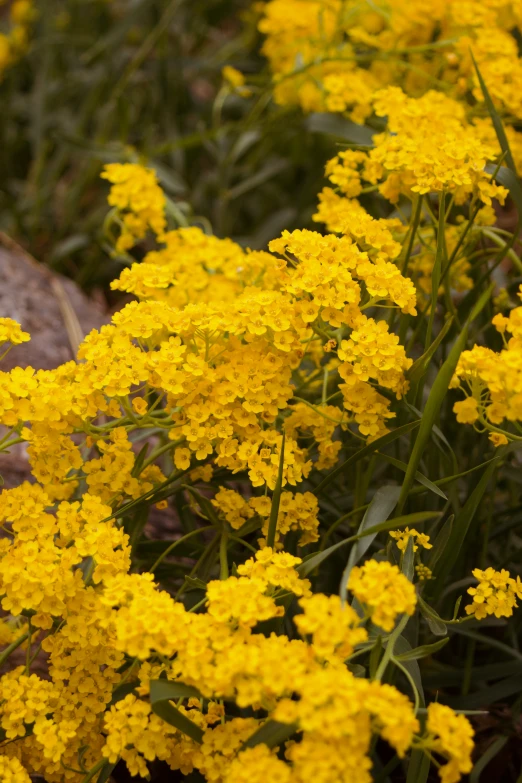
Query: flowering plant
[[267, 400]]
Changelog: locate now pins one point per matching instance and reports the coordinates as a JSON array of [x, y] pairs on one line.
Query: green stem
[[176, 543], [504, 245], [223, 556], [12, 647], [410, 679], [388, 653], [413, 233], [97, 768]]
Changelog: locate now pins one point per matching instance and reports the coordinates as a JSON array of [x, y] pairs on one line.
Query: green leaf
[[420, 365], [204, 504], [436, 272], [161, 693], [418, 768], [380, 508], [462, 524], [408, 565], [497, 122], [376, 445], [140, 459], [314, 560], [434, 402], [276, 498], [375, 657], [195, 583], [356, 669], [403, 647], [441, 542], [436, 624], [106, 772], [271, 733], [334, 125], [423, 651], [456, 607], [420, 477], [271, 169]]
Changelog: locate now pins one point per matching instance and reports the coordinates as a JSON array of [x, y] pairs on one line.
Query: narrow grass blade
[[408, 565], [161, 692], [423, 651], [271, 733], [462, 524], [418, 768], [441, 542], [436, 624], [334, 125], [420, 365], [276, 498], [383, 503], [436, 273], [497, 122], [435, 399], [485, 697], [204, 504], [420, 477]]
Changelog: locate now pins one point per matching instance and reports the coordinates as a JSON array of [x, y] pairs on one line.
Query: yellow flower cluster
[[493, 381], [451, 736], [333, 55], [196, 267], [428, 147], [496, 593], [136, 735], [403, 536], [296, 512], [334, 629], [383, 591], [409, 73], [11, 332], [140, 202], [218, 367], [11, 771]]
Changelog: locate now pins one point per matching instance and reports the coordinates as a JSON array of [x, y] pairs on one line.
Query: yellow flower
[[383, 591]]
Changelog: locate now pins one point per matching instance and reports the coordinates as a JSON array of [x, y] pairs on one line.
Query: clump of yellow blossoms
[[218, 366], [451, 736], [403, 536], [297, 511], [493, 382], [496, 593], [383, 591], [139, 200], [428, 147], [11, 771], [332, 56]]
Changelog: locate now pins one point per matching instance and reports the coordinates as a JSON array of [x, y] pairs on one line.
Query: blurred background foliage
[[142, 80]]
